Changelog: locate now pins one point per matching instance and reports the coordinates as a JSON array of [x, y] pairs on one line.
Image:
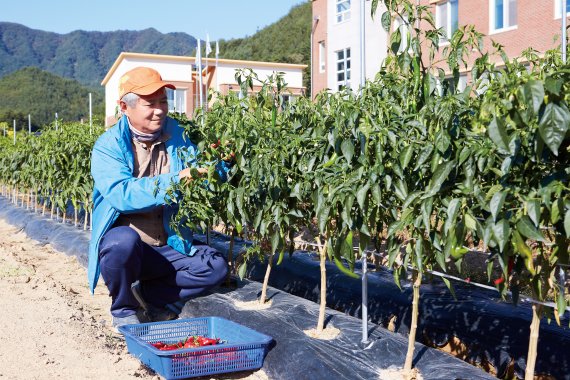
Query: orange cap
[[142, 81]]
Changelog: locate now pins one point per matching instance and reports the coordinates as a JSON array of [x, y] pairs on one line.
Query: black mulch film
[[492, 330]]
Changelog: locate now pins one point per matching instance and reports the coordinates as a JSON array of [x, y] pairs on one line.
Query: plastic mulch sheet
[[295, 356], [493, 331]]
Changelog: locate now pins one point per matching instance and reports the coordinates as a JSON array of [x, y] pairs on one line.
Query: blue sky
[[218, 18]]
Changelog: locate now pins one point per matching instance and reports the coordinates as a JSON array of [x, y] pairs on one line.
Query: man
[[142, 261]]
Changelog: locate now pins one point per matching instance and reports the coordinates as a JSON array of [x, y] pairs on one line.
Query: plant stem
[[231, 257], [414, 324], [533, 342], [266, 280]]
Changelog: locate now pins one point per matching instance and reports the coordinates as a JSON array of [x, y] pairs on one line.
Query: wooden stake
[[533, 342], [323, 302], [414, 324]]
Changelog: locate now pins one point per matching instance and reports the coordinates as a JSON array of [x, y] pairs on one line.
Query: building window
[[503, 15], [343, 68], [342, 10], [557, 8], [322, 56], [176, 100], [446, 18]]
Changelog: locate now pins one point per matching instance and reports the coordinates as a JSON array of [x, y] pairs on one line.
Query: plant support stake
[[365, 340]]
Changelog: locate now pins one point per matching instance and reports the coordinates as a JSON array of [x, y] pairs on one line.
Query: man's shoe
[[153, 313], [137, 292], [156, 314], [122, 321]]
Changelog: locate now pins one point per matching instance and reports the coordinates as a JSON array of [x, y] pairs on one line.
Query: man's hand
[[186, 173]]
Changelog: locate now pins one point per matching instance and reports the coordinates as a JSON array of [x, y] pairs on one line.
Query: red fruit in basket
[[158, 344], [170, 347], [203, 341], [191, 341]]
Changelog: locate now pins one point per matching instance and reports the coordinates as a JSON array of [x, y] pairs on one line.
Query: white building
[[218, 75], [336, 47]]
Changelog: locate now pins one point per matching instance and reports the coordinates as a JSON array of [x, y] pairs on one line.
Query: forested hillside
[[83, 56], [41, 94]]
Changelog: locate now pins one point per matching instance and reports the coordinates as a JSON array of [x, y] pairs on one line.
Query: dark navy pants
[[166, 275]]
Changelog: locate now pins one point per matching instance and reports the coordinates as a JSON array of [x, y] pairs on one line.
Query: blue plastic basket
[[243, 349]]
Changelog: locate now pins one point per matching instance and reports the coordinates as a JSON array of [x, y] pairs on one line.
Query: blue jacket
[[117, 191]]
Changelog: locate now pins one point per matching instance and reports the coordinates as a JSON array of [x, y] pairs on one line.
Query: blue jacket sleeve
[[112, 174]]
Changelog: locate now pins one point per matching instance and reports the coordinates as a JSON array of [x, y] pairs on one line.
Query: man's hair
[[130, 99]]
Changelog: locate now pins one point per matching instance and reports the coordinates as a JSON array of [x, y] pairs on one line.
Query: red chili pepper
[[499, 280], [158, 344], [190, 342], [511, 265], [209, 341], [169, 347]]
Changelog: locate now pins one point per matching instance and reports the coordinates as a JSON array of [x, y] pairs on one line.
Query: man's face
[[149, 113]]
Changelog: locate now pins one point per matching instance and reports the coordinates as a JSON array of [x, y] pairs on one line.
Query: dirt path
[[51, 326]]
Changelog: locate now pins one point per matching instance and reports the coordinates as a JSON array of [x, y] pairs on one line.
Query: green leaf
[[440, 258], [361, 195], [527, 228], [419, 249], [553, 85], [560, 302], [275, 238], [386, 20], [498, 134], [396, 41], [533, 94], [555, 211], [406, 156], [438, 178], [496, 203], [502, 233], [533, 210], [470, 222], [323, 218], [427, 206], [567, 223], [241, 270], [554, 125], [424, 155], [452, 211], [376, 193], [449, 286], [347, 149]]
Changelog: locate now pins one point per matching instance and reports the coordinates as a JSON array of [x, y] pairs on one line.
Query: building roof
[[191, 60]]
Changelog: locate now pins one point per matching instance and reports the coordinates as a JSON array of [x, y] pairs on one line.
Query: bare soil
[[51, 326]]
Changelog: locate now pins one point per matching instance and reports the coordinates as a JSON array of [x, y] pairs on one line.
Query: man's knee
[[219, 268], [120, 243]]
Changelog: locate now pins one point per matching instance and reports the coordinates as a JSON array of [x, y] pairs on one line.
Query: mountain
[[31, 91], [83, 56]]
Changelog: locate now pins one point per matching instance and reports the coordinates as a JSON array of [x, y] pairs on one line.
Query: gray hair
[[130, 99]]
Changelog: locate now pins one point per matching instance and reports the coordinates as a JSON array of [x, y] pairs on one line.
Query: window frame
[[177, 97], [447, 25], [322, 57], [347, 69], [558, 11], [506, 13], [345, 15]]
